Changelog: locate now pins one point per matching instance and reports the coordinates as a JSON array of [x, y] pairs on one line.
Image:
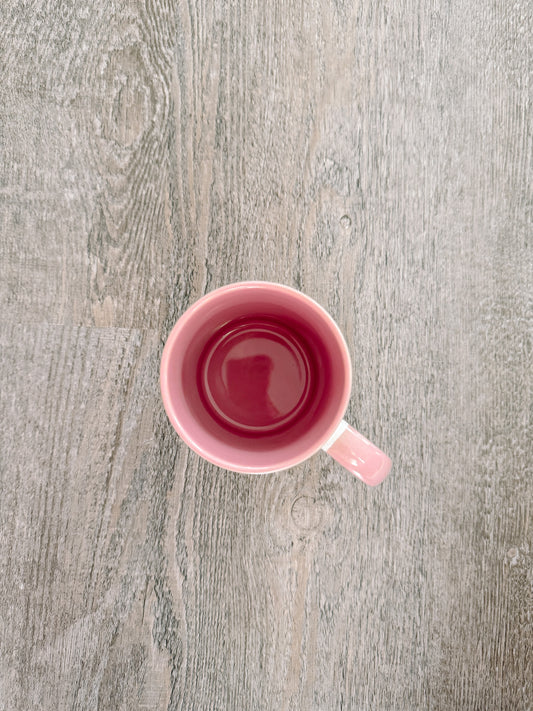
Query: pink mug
[[256, 377]]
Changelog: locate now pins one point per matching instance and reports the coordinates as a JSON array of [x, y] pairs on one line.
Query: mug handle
[[357, 454]]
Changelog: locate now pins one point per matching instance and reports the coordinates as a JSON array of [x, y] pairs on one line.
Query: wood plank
[[76, 424], [85, 195]]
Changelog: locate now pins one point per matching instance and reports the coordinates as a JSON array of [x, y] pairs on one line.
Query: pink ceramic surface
[[256, 377]]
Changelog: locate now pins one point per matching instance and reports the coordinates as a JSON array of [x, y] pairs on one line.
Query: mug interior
[[255, 377]]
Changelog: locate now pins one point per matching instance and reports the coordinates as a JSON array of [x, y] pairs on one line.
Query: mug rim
[[184, 320]]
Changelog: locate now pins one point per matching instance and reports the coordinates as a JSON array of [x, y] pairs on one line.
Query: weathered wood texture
[[376, 155]]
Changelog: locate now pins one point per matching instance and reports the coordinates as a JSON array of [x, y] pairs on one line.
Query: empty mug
[[256, 378]]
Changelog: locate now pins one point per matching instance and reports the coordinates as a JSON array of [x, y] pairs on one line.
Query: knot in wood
[[308, 513]]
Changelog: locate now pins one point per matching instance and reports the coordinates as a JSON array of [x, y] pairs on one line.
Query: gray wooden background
[[378, 156]]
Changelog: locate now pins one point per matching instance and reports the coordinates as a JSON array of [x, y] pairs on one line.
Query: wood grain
[[377, 156]]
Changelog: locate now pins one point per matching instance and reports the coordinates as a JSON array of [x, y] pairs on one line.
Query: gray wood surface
[[376, 155]]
